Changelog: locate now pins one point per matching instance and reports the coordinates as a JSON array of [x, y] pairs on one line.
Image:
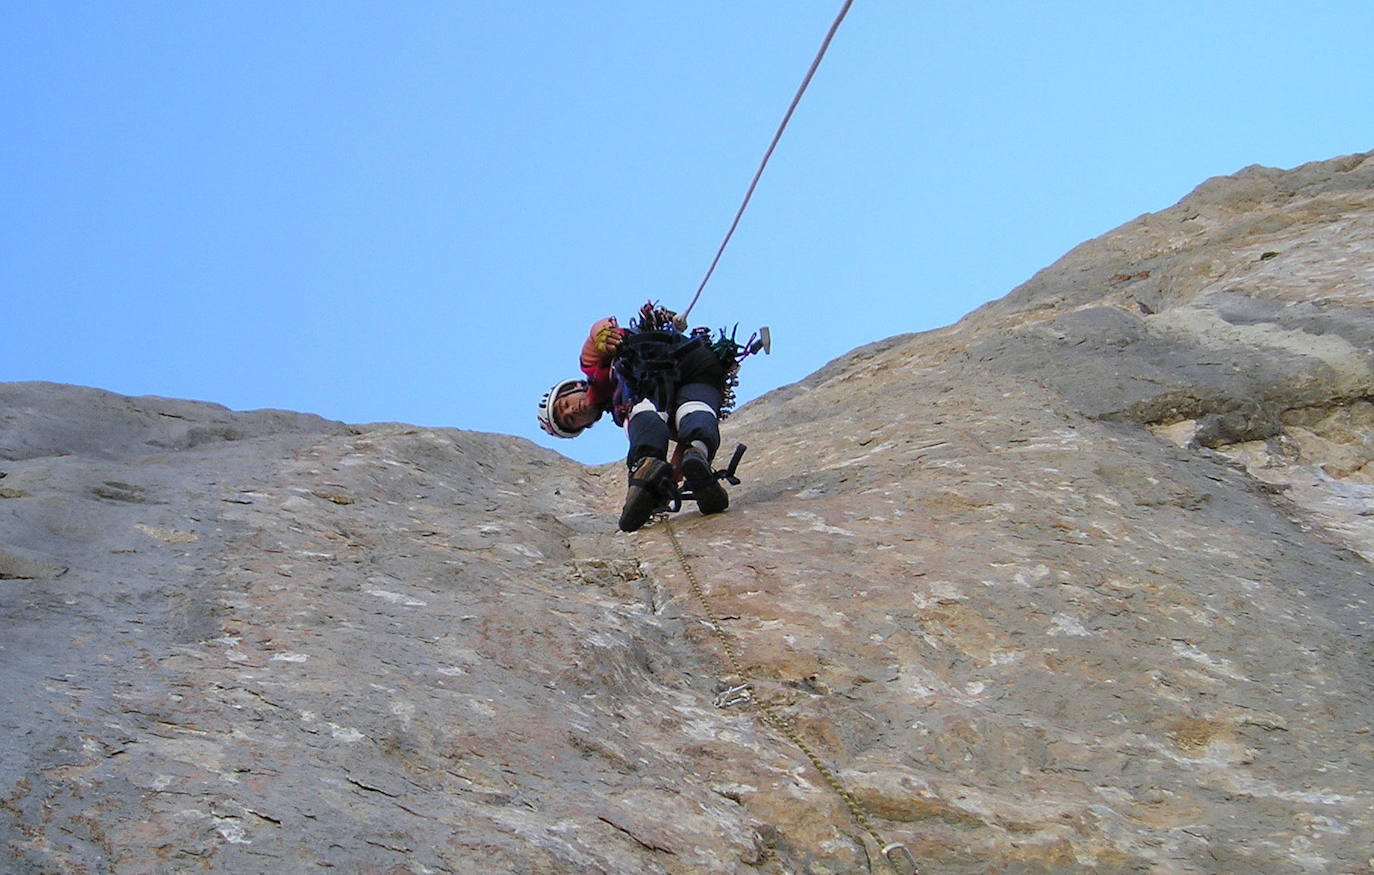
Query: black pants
[[693, 413]]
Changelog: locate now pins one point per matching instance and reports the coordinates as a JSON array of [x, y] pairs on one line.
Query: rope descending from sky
[[834, 26]]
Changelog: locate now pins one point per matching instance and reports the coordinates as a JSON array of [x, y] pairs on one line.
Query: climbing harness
[[653, 351], [651, 363], [787, 117], [742, 690]]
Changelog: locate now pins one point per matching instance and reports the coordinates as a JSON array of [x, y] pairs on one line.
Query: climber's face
[[573, 411]]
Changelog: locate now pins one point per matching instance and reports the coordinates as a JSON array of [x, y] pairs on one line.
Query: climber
[[659, 383]]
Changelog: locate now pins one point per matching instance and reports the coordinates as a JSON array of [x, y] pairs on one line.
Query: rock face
[[1080, 583]]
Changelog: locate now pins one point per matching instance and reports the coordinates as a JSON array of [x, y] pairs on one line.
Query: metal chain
[[898, 856]]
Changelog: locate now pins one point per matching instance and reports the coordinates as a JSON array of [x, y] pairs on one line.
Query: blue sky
[[412, 211]]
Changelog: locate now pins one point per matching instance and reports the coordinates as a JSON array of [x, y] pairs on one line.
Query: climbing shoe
[[701, 481], [651, 488]]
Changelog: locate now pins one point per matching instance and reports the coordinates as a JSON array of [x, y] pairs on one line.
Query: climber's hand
[[608, 337]]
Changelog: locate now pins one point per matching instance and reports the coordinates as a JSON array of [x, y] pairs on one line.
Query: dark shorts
[[696, 378]]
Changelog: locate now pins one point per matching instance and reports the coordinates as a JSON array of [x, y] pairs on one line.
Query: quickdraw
[[733, 353]]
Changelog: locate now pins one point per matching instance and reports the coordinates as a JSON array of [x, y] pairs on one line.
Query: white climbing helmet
[[546, 419]]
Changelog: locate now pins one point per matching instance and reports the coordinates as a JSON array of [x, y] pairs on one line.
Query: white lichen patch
[[1220, 666], [396, 598], [818, 524], [403, 710], [231, 829], [345, 734], [921, 691], [1063, 624]]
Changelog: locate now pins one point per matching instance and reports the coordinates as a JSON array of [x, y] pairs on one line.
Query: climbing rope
[[899, 858], [825, 44]]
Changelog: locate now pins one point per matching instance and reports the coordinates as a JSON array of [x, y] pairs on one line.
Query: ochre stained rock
[[1079, 583]]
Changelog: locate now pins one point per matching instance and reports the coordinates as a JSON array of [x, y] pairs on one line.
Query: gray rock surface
[[1080, 583]]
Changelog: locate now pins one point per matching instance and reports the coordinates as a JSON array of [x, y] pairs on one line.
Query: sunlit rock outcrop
[[1080, 583]]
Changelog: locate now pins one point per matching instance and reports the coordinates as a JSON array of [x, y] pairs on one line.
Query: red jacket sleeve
[[596, 364]]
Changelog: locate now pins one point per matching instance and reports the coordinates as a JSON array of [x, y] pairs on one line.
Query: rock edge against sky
[[1079, 583]]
